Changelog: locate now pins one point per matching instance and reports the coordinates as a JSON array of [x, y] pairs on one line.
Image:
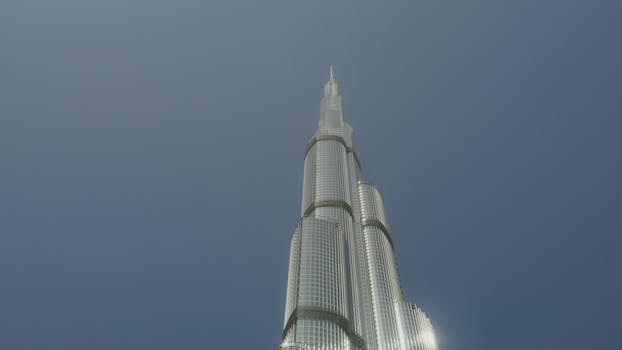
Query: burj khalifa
[[343, 290]]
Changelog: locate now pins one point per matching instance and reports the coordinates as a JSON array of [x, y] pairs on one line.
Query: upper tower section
[[331, 113]]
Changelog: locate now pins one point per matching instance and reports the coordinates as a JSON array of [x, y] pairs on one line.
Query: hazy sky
[[151, 160]]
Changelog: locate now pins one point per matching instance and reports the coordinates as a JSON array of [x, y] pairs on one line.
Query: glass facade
[[343, 288]]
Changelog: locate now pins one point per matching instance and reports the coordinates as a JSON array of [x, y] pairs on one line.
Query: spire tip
[[331, 72]]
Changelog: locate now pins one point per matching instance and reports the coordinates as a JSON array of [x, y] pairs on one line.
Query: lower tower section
[[316, 311]]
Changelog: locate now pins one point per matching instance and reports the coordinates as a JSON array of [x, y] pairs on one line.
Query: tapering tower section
[[343, 289]]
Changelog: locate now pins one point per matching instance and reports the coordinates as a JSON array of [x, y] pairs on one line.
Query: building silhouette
[[343, 289]]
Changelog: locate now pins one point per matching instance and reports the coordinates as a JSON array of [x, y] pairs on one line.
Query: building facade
[[343, 289]]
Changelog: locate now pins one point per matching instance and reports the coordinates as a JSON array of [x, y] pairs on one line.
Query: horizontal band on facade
[[304, 312], [367, 182], [380, 225], [329, 203], [339, 139]]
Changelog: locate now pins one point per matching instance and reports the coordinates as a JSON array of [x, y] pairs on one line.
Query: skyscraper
[[343, 289]]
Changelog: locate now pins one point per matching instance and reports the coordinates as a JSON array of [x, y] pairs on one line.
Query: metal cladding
[[343, 288]]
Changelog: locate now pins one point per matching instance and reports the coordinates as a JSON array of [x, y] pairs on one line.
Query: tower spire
[[330, 106], [330, 89]]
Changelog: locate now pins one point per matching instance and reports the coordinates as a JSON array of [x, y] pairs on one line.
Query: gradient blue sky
[[151, 165]]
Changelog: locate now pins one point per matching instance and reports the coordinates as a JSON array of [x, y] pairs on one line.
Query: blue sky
[[151, 165]]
